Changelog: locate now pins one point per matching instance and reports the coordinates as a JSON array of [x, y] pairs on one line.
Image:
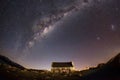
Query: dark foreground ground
[[13, 71]]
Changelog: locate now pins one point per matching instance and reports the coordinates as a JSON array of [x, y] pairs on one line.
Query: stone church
[[62, 67]]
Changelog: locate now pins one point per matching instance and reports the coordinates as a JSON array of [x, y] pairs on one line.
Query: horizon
[[49, 69]]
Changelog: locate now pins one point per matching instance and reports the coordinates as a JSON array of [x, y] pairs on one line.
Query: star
[[113, 27], [98, 38], [30, 44], [117, 9]]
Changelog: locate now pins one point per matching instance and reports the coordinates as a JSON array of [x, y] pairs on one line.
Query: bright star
[[113, 27]]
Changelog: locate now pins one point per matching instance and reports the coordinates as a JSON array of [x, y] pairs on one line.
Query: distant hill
[[108, 71], [114, 62], [7, 61]]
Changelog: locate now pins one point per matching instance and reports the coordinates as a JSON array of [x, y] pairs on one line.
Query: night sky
[[35, 33]]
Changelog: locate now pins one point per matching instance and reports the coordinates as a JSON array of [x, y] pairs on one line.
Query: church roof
[[62, 64]]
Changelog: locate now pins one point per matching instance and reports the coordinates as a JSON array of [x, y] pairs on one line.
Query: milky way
[[36, 32], [42, 26]]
